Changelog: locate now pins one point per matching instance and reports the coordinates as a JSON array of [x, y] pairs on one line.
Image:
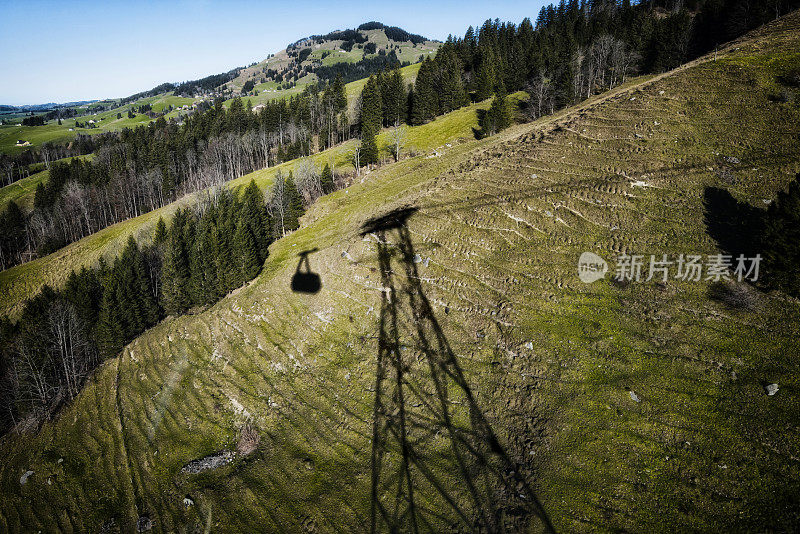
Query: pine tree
[[485, 78], [110, 338], [425, 98], [176, 273], [226, 226], [452, 95], [326, 179], [497, 118], [294, 204], [143, 288], [371, 118], [245, 251], [257, 217], [12, 240], [393, 96], [340, 94], [139, 309], [204, 285], [84, 291], [161, 232]]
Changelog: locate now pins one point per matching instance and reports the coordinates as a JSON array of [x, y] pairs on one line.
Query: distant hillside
[[352, 53], [43, 107]]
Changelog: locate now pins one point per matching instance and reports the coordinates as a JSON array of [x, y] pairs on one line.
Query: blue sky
[[66, 51]]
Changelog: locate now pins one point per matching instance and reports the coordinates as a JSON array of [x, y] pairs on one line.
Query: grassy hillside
[[23, 191], [106, 121], [332, 52], [268, 91], [496, 336], [24, 280]]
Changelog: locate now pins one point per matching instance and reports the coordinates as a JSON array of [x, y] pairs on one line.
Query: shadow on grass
[[435, 458], [735, 226], [305, 281]]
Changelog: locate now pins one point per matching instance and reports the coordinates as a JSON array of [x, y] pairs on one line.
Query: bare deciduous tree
[[278, 203], [307, 180], [397, 136], [542, 95]]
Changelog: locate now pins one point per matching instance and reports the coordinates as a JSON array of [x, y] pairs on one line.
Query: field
[[453, 363], [106, 121]]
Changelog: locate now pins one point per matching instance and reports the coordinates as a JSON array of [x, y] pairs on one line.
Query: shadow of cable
[[435, 458]]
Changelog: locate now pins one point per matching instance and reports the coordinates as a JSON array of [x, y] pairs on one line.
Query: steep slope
[[23, 281], [514, 382], [23, 191]]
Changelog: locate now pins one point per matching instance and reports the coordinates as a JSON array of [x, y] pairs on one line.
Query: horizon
[[133, 60]]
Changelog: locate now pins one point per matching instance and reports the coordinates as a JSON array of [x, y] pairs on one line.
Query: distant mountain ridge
[[44, 107]]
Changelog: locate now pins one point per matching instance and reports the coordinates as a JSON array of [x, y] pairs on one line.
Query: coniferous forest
[[193, 260]]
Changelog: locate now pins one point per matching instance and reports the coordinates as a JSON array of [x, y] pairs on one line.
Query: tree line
[[201, 255], [135, 171], [577, 48]]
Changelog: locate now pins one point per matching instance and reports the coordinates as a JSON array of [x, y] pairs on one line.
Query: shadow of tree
[[478, 133], [436, 460], [737, 227]]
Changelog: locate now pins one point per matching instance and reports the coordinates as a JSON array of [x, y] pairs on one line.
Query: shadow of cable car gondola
[[305, 281]]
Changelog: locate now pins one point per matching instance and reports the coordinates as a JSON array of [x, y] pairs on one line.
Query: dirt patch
[[211, 461]]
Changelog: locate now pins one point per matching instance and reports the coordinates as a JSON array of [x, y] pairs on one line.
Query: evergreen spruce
[[371, 119], [326, 179], [497, 118], [110, 337], [204, 285], [227, 276], [245, 250], [175, 272], [257, 218], [85, 292], [485, 79], [425, 98], [294, 205], [160, 235]]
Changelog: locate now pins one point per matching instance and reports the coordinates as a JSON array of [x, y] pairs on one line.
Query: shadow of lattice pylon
[[436, 461]]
